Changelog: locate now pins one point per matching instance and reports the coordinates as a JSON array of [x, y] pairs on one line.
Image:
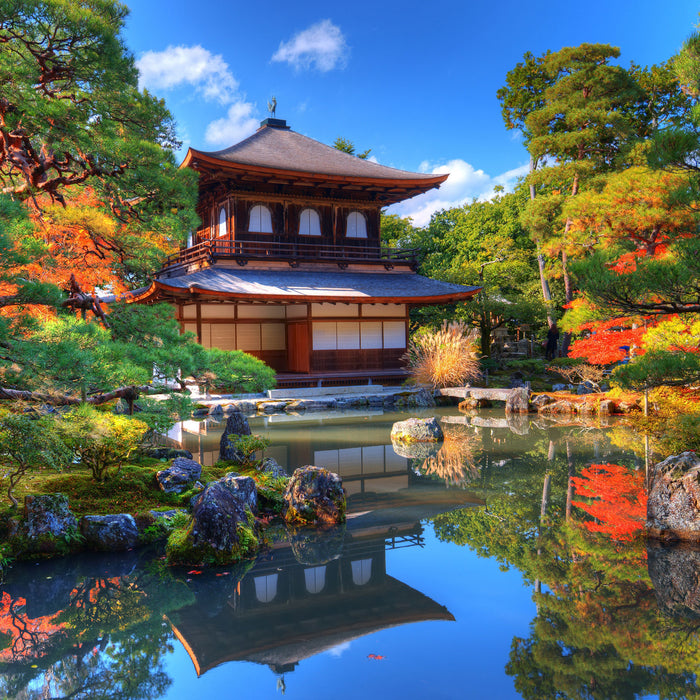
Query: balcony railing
[[293, 253]]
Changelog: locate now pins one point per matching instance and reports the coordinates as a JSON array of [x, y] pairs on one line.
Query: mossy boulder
[[221, 530], [47, 526], [422, 398], [244, 488], [417, 430], [236, 424], [314, 496], [47, 514], [181, 475], [271, 466], [109, 533]]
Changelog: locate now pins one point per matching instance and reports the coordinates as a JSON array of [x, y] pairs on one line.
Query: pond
[[481, 571]]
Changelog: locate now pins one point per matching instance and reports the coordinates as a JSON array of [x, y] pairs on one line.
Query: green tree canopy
[[71, 115]]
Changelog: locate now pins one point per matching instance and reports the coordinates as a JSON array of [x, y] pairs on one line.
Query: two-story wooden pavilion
[[288, 264]]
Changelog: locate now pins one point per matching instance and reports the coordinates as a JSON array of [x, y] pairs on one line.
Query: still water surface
[[480, 571]]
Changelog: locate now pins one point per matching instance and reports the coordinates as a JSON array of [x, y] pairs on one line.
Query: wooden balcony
[[212, 251]]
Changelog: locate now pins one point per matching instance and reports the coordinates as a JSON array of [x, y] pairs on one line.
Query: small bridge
[[516, 399]]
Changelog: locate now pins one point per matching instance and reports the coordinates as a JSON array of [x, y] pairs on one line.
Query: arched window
[[260, 220], [309, 223], [361, 571], [266, 588], [315, 579], [222, 221], [357, 226]]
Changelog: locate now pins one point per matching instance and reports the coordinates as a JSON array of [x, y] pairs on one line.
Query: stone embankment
[[369, 396], [520, 400]]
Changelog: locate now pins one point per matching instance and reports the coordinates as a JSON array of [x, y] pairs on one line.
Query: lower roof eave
[[163, 292]]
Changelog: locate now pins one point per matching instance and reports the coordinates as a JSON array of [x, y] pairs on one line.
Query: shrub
[[28, 442], [248, 445], [161, 415], [581, 373], [236, 371], [101, 441], [444, 357]]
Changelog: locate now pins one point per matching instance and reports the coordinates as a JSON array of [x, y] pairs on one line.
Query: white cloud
[[464, 184], [339, 649], [211, 77], [234, 127], [321, 46], [209, 74]]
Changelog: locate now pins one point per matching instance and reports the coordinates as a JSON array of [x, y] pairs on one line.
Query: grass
[[444, 357]]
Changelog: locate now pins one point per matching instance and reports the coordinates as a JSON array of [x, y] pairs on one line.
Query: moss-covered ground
[[134, 490]]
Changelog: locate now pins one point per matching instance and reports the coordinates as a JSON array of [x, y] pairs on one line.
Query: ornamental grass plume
[[446, 357]]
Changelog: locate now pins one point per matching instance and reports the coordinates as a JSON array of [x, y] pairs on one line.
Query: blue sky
[[415, 82]]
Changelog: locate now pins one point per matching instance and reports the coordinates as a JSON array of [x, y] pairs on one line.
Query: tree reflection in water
[[84, 636], [607, 625]]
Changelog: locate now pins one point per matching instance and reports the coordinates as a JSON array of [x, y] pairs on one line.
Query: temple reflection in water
[[306, 597]]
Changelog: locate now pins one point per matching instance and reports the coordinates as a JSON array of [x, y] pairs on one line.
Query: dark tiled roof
[[285, 149], [301, 285]]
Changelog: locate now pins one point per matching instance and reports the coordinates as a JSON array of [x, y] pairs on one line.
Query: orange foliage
[[79, 240], [28, 636], [604, 345], [83, 240], [620, 500], [635, 205]]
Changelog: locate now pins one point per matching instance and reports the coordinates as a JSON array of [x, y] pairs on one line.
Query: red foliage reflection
[[620, 500]]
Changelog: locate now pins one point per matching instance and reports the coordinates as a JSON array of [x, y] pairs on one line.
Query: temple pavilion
[[288, 264]]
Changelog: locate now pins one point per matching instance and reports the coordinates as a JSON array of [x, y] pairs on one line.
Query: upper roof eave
[[425, 181]]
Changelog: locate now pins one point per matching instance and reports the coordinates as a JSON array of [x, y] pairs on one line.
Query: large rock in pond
[[417, 430], [47, 518], [518, 401], [314, 496], [244, 488], [179, 476], [672, 508], [109, 533], [236, 424], [221, 530]]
